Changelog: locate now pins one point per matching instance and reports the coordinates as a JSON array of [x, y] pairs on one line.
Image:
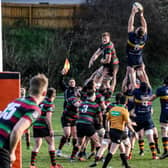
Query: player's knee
[[149, 132], [164, 129], [101, 132]]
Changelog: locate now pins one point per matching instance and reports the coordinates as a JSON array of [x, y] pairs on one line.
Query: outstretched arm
[[131, 19], [143, 22], [94, 57]]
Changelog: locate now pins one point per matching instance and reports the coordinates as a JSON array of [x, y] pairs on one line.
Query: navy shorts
[[146, 125], [164, 117], [85, 130], [135, 61], [4, 158], [41, 132], [67, 123]]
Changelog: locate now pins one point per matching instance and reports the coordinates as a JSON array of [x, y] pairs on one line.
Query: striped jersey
[[162, 92], [70, 111], [20, 108], [135, 44], [142, 104], [88, 111], [47, 106], [108, 49]]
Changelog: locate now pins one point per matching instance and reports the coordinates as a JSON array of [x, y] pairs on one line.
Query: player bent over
[[18, 116]]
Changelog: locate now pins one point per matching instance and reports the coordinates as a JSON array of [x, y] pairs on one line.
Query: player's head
[[72, 82], [38, 85], [51, 93], [140, 31], [91, 85], [166, 81], [105, 37], [118, 97], [77, 91], [144, 87], [91, 95]]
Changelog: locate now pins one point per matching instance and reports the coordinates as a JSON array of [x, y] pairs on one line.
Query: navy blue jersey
[[162, 92], [142, 104], [135, 44]]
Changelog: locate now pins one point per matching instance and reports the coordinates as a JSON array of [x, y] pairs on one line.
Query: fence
[[41, 15]]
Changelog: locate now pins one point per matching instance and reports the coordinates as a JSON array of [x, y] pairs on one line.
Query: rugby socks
[[156, 143], [107, 160], [52, 157], [62, 142], [74, 152], [165, 144], [124, 159], [92, 146], [153, 149], [27, 140], [74, 141], [33, 158], [141, 145]]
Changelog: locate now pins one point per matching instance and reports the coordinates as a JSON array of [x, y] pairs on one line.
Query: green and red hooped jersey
[[20, 108], [47, 106], [110, 50], [88, 111], [70, 112]]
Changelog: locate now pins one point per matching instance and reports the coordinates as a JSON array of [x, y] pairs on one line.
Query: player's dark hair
[[90, 93], [51, 92], [118, 97], [90, 85], [123, 99], [144, 87], [166, 81]]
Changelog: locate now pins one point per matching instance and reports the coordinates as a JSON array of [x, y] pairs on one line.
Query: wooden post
[[30, 15]]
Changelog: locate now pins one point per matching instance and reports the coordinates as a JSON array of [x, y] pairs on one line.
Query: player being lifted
[[109, 61], [135, 44]]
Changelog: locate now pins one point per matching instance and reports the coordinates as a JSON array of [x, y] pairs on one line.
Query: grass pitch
[[43, 160]]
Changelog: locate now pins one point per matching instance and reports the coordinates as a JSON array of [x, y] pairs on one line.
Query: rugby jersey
[[162, 93], [88, 111], [135, 44], [47, 106], [70, 112], [110, 50], [118, 116], [19, 108]]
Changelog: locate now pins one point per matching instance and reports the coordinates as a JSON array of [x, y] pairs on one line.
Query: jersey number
[[84, 109], [9, 111]]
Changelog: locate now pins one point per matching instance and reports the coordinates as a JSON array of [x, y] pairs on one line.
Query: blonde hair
[[38, 84]]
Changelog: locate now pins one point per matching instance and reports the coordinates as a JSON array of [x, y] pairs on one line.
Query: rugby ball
[[138, 5]]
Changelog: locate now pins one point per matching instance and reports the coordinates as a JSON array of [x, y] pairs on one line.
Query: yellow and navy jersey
[[135, 44], [142, 104], [118, 116], [162, 93]]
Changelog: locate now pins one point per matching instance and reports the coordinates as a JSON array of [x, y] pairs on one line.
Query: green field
[[137, 161]]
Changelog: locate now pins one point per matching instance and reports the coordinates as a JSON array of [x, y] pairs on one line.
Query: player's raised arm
[[143, 22], [131, 19], [94, 57]]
